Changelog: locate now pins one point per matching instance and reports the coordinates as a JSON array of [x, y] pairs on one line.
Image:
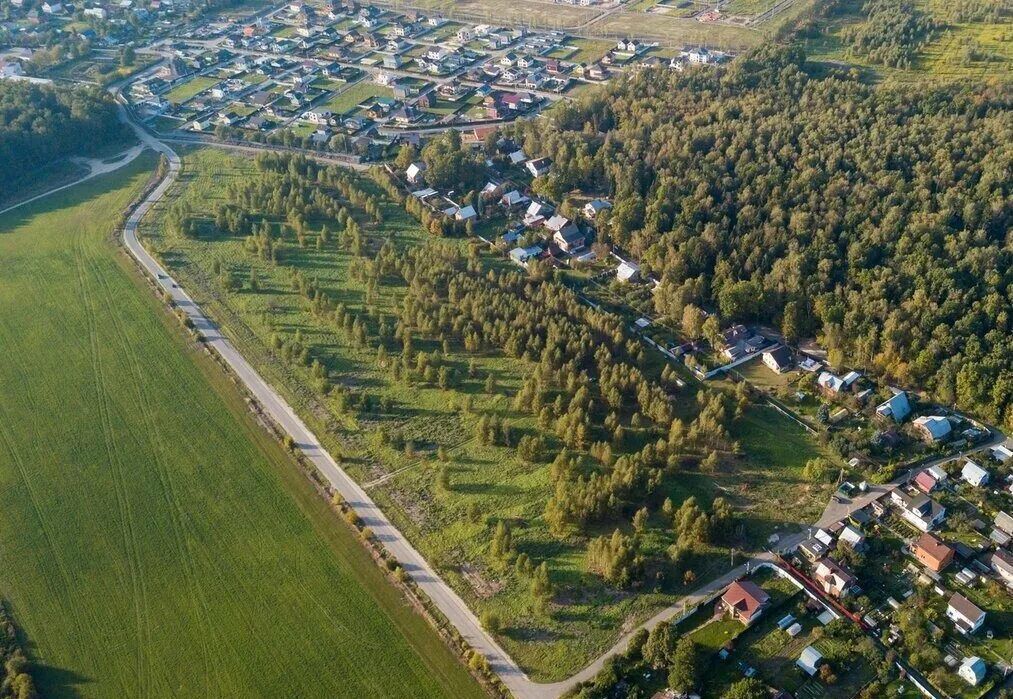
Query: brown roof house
[[932, 553], [833, 578], [964, 614], [744, 601]]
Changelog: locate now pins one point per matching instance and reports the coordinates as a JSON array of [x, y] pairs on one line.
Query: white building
[[974, 474]]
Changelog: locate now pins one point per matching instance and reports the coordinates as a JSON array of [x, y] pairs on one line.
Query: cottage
[[778, 359], [833, 578], [415, 171], [832, 385], [938, 472], [932, 553], [1001, 453], [932, 427], [925, 481], [517, 157], [964, 614], [850, 536], [810, 660], [974, 474], [1004, 522], [918, 509], [466, 213], [538, 166], [813, 549], [896, 408], [1001, 563], [536, 213], [522, 255], [595, 207], [972, 670], [627, 271], [512, 198], [744, 601]]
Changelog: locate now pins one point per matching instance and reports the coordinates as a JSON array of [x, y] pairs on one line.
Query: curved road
[[449, 603]]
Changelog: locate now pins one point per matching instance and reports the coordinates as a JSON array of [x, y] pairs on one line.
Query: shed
[[810, 660]]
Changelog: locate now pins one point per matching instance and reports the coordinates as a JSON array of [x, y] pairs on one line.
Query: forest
[[874, 218], [40, 124]]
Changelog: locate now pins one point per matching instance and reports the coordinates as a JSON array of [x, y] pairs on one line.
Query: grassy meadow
[[154, 540], [451, 520]]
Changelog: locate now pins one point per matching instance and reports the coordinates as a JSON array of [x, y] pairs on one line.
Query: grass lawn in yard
[[355, 94], [154, 539], [188, 90]]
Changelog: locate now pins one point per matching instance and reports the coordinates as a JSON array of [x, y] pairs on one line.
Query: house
[[810, 660], [536, 213], [415, 171], [833, 578], [778, 359], [744, 601], [522, 255], [851, 537], [1001, 453], [896, 408], [932, 553], [517, 157], [832, 385], [627, 271], [538, 166], [565, 233], [964, 614], [595, 207], [932, 427], [972, 670], [813, 549], [466, 214], [1004, 522], [512, 198], [925, 482], [919, 509], [1001, 564], [974, 474]]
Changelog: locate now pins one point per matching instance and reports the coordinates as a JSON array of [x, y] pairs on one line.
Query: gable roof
[[779, 355], [746, 597], [933, 547], [965, 607]]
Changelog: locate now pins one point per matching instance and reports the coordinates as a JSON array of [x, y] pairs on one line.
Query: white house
[[538, 167], [627, 271], [919, 509], [595, 207], [466, 214], [964, 614], [852, 537], [974, 474], [972, 670], [810, 660], [778, 359], [414, 172], [1002, 453]]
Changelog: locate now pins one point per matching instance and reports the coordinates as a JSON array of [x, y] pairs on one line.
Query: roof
[[830, 382], [627, 270], [809, 660], [925, 480], [779, 355], [896, 407], [933, 547], [746, 597], [850, 535], [974, 668], [827, 568], [974, 473], [965, 607], [1000, 560], [1005, 522], [557, 223], [597, 205], [936, 425]]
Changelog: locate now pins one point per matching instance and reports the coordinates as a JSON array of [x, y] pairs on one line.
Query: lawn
[[450, 522], [188, 90], [155, 541], [356, 94]]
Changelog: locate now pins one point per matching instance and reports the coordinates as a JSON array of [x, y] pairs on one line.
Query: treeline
[[15, 680], [40, 124], [892, 34], [875, 218]]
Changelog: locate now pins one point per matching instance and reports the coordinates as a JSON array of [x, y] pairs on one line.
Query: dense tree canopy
[[40, 124], [877, 218]]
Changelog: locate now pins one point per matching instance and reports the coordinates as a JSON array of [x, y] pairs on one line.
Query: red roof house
[[744, 601], [925, 482]]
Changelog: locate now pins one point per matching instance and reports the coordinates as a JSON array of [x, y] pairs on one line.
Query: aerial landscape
[[550, 348]]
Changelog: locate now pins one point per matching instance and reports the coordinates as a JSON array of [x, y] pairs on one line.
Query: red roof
[[745, 597], [925, 481]]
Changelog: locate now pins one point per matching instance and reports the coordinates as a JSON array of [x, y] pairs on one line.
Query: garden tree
[[640, 520], [816, 470], [406, 155], [748, 688], [615, 559], [692, 322], [684, 671], [692, 525], [660, 643], [541, 588], [729, 187]]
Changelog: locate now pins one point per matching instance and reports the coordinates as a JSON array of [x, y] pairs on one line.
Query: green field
[[154, 540], [188, 90], [356, 94]]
